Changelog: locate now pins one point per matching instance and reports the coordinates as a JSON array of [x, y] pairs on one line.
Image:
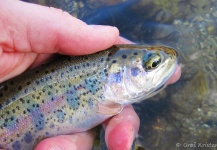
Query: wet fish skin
[[71, 94]]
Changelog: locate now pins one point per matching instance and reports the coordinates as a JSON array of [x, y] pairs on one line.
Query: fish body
[[76, 93]]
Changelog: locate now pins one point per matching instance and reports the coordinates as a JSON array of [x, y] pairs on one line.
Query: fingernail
[[55, 147]]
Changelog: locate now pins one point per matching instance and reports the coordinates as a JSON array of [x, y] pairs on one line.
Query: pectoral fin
[[109, 108]]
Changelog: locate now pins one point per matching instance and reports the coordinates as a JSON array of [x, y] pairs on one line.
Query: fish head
[[140, 72]]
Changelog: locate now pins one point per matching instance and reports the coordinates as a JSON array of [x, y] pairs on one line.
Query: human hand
[[30, 34]]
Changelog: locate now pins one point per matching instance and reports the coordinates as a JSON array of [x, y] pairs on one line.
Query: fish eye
[[151, 61]]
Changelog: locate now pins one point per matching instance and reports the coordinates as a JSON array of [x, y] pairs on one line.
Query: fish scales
[[64, 95], [37, 94]]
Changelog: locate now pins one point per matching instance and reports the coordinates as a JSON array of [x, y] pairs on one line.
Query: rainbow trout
[[76, 93]]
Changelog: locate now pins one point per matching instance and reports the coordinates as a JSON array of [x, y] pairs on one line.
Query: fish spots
[[46, 71], [22, 100], [10, 123], [114, 61], [53, 70], [8, 101], [38, 121], [28, 101], [77, 67], [49, 93], [85, 57], [28, 83], [16, 145], [101, 96], [114, 78], [70, 68], [88, 64], [135, 71], [92, 85], [109, 54], [90, 103], [48, 77], [62, 75], [37, 82], [72, 100], [60, 116], [105, 70], [48, 106], [51, 126], [26, 90], [37, 116], [13, 111], [124, 56], [19, 125], [70, 119], [47, 133], [28, 137], [135, 53], [34, 89]]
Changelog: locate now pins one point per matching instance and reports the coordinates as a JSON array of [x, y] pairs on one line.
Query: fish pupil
[[151, 61], [155, 64]]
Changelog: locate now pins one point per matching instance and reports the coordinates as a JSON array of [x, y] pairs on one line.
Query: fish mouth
[[160, 88], [174, 77]]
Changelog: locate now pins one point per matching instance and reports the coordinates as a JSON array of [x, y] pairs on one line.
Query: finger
[[176, 75], [120, 131], [32, 28], [13, 64], [40, 59], [35, 29], [44, 57], [81, 141]]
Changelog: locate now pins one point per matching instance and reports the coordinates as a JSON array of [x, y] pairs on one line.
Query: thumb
[[28, 27]]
